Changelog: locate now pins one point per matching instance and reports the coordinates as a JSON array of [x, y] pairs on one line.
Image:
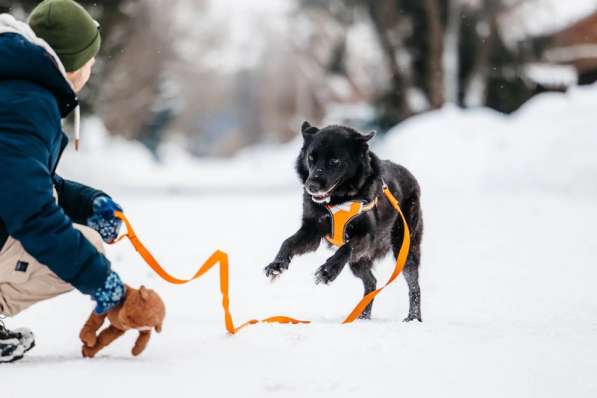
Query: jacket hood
[[27, 57]]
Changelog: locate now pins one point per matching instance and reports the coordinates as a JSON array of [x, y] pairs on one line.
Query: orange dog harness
[[342, 215]]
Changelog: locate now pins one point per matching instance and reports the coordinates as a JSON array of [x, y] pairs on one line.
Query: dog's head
[[331, 157]]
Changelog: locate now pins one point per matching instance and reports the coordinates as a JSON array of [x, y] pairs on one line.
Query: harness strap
[[221, 258], [371, 205]]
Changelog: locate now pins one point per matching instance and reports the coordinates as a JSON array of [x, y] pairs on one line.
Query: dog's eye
[[334, 162], [311, 159]]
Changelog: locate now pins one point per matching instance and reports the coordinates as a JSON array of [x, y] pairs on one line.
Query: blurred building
[[575, 46]]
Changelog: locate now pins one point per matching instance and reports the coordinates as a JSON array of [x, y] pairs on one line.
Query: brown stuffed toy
[[143, 310]]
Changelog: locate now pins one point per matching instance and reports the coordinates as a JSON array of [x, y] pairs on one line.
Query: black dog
[[337, 167]]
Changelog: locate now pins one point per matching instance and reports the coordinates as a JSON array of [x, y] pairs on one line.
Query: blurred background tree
[[218, 76]]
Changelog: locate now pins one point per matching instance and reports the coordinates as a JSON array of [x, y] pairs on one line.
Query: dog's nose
[[315, 182], [313, 186]]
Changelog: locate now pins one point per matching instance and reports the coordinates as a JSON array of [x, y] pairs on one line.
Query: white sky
[[251, 7], [545, 15], [248, 22], [559, 13]]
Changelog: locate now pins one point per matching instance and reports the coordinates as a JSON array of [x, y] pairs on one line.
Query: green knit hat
[[67, 27]]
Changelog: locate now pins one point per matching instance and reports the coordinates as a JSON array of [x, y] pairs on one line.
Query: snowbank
[[549, 145]]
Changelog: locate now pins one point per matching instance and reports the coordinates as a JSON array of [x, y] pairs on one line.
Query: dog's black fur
[[338, 159]]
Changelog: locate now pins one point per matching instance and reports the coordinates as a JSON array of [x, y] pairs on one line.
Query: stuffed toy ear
[[144, 293], [308, 130]]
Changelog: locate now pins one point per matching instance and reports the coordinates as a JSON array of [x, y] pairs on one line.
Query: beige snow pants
[[24, 281]]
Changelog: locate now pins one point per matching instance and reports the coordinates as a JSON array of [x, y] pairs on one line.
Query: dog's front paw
[[327, 273], [276, 268]]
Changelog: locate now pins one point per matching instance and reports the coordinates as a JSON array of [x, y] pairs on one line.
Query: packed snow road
[[508, 309], [507, 276]]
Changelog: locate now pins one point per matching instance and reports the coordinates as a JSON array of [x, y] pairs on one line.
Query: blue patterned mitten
[[103, 219], [111, 295]]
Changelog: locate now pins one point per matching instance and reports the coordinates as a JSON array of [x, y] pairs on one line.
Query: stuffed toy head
[[142, 310]]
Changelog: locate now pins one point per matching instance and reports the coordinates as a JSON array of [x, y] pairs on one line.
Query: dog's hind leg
[[411, 274], [411, 268], [362, 270]]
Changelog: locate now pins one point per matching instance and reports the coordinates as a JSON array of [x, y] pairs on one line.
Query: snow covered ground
[[508, 273]]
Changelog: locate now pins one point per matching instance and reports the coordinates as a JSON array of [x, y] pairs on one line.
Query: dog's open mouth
[[321, 197]]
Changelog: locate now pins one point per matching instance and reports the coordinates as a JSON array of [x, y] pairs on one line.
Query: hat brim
[[74, 62]]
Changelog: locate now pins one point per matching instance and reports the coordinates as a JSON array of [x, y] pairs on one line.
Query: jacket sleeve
[[30, 212], [76, 199]]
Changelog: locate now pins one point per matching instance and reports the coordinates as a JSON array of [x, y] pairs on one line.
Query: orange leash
[[221, 258], [218, 257]]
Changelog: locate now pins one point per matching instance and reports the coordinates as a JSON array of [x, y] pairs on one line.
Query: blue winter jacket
[[34, 96]]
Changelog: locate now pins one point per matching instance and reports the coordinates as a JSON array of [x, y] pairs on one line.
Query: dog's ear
[[308, 130], [367, 137]]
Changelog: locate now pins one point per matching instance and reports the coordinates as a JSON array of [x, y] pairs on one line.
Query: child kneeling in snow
[[51, 230]]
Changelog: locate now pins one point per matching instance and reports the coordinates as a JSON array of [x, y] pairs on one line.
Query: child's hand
[[111, 295], [103, 219]]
